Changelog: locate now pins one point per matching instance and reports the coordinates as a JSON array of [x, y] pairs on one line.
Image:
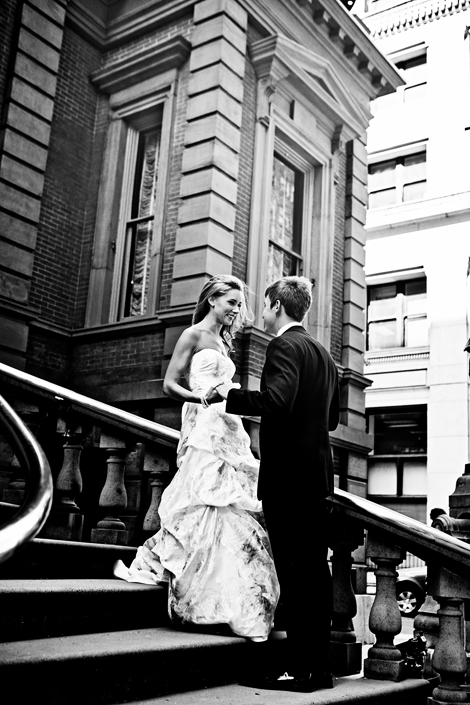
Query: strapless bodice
[[208, 368]]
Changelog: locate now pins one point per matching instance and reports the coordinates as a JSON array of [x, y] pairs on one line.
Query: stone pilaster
[[25, 137], [209, 183], [353, 381]]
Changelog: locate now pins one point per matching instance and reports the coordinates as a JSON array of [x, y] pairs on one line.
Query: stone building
[[417, 255], [149, 145]]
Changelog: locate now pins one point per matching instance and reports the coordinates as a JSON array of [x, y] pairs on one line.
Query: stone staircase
[[89, 638]]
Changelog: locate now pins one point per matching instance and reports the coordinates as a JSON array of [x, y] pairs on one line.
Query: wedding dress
[[210, 549]]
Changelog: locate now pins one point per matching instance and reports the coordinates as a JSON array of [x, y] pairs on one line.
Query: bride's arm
[[179, 363]]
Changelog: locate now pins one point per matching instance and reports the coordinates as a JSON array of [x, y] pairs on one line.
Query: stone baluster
[[15, 491], [158, 468], [449, 659], [132, 515], [346, 651], [113, 498], [384, 659], [66, 520]]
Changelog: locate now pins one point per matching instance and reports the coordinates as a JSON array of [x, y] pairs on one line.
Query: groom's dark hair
[[293, 293]]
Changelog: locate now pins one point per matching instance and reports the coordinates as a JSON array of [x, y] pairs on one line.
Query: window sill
[[427, 208], [396, 355]]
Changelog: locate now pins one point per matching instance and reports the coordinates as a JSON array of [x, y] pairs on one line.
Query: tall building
[[147, 146], [417, 255]]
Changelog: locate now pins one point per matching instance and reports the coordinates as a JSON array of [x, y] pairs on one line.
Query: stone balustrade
[[108, 488]]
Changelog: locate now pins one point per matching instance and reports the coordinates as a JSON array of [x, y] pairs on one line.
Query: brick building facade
[[148, 146]]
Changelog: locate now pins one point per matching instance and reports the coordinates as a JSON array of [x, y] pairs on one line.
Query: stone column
[[209, 184], [27, 118]]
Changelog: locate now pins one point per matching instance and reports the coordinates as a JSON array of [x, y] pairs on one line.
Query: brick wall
[[116, 360], [55, 279]]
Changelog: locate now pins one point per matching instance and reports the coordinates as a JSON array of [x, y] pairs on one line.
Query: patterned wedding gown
[[210, 549]]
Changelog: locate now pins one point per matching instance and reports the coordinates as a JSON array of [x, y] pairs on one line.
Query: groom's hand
[[223, 389]]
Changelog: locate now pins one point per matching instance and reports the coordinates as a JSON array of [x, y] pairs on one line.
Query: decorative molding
[[402, 18], [276, 58], [91, 22], [147, 63], [402, 356], [348, 31], [338, 146]]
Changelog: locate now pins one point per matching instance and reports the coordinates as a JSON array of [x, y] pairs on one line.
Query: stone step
[[349, 690], [38, 608], [123, 666], [50, 558]]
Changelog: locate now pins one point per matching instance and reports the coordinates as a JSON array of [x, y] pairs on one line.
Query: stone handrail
[[31, 516], [426, 542], [97, 410]]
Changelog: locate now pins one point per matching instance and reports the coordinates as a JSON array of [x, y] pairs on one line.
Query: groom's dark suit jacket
[[299, 404]]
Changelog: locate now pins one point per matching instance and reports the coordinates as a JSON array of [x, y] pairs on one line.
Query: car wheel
[[409, 599]]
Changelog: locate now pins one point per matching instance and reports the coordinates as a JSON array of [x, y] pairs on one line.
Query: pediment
[[280, 58]]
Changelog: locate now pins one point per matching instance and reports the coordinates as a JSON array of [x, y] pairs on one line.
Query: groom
[[298, 404]]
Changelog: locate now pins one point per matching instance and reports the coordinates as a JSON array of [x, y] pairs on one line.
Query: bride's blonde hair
[[218, 286]]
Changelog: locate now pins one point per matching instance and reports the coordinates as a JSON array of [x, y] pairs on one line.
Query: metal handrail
[[430, 544], [105, 413], [38, 501]]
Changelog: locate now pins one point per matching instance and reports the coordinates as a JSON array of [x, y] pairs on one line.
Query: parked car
[[411, 589]]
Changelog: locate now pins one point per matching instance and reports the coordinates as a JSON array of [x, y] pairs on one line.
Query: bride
[[210, 549]]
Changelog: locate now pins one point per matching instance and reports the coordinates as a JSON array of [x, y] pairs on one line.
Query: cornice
[[340, 27], [351, 36], [144, 64], [408, 15], [277, 57], [105, 32]]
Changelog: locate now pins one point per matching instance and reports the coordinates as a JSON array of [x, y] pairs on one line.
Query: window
[[396, 315], [412, 62], [397, 467], [397, 180], [415, 76], [137, 216], [285, 227], [130, 219]]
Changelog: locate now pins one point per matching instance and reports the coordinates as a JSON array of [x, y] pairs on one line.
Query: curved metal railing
[[34, 511]]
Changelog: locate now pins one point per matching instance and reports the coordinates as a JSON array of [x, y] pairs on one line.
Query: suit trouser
[[298, 535]]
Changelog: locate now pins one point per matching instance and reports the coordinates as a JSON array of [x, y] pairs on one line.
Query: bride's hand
[[224, 388], [219, 392]]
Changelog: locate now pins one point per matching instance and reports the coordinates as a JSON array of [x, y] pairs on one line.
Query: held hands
[[216, 394], [224, 388]]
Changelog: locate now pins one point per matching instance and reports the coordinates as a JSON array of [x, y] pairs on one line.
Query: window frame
[[398, 156], [402, 315], [129, 156], [399, 458], [285, 139], [128, 89]]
